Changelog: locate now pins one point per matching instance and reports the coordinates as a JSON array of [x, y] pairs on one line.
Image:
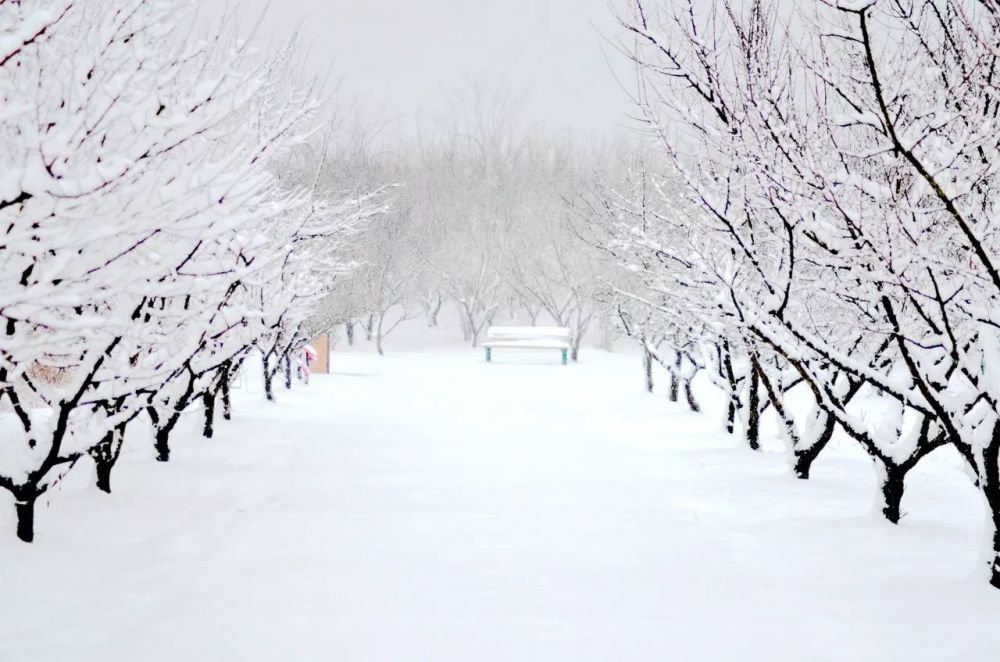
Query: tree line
[[155, 232], [816, 210]]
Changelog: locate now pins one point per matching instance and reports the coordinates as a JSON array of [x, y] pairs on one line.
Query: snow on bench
[[527, 337]]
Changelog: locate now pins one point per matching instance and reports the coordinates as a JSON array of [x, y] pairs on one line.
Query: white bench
[[528, 337]]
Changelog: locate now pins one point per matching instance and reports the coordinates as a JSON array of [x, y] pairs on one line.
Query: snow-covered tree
[[844, 179], [147, 242]]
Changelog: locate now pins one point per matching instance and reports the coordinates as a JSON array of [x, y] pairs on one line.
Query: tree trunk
[[103, 470], [379, 336], [349, 327], [804, 457], [369, 327], [288, 371], [227, 405], [675, 381], [268, 379], [474, 333], [791, 434], [25, 509], [693, 404], [162, 444], [269, 386], [104, 459], [753, 419], [435, 311], [208, 399], [892, 485], [647, 366], [995, 560], [990, 484], [731, 378]]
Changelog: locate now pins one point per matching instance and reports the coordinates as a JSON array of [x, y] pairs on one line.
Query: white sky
[[399, 59]]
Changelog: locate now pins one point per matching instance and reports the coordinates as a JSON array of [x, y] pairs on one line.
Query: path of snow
[[430, 507]]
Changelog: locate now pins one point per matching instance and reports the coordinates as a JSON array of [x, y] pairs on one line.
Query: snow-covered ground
[[426, 506]]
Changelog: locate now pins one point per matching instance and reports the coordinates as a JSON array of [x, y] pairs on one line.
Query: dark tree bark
[[103, 470], [288, 371], [804, 457], [105, 454], [349, 328], [25, 509], [208, 399], [990, 482], [269, 387], [995, 561], [753, 419], [774, 396], [647, 366], [692, 403], [892, 488], [727, 364], [675, 382], [268, 378], [162, 444], [227, 405], [164, 426]]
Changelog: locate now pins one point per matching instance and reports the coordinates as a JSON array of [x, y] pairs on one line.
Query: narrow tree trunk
[[103, 455], [227, 405], [208, 399], [787, 423], [435, 311], [995, 560], [474, 334], [370, 327], [692, 403], [675, 381], [162, 444], [804, 457], [103, 469], [753, 419], [731, 378], [25, 509], [288, 370], [990, 484], [268, 378], [349, 327], [379, 336], [647, 366], [892, 486], [269, 386]]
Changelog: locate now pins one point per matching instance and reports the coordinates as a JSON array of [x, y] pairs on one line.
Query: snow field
[[427, 506]]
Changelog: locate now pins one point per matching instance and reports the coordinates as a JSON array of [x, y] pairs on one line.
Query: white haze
[[402, 61]]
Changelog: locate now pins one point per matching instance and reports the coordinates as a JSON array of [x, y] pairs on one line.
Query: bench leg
[[489, 354], [565, 357]]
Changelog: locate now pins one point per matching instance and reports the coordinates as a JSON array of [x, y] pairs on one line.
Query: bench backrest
[[528, 333]]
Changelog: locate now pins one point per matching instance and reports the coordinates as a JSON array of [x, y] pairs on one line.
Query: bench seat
[[543, 343], [528, 337]]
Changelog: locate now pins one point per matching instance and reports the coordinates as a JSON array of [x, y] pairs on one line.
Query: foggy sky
[[401, 59]]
